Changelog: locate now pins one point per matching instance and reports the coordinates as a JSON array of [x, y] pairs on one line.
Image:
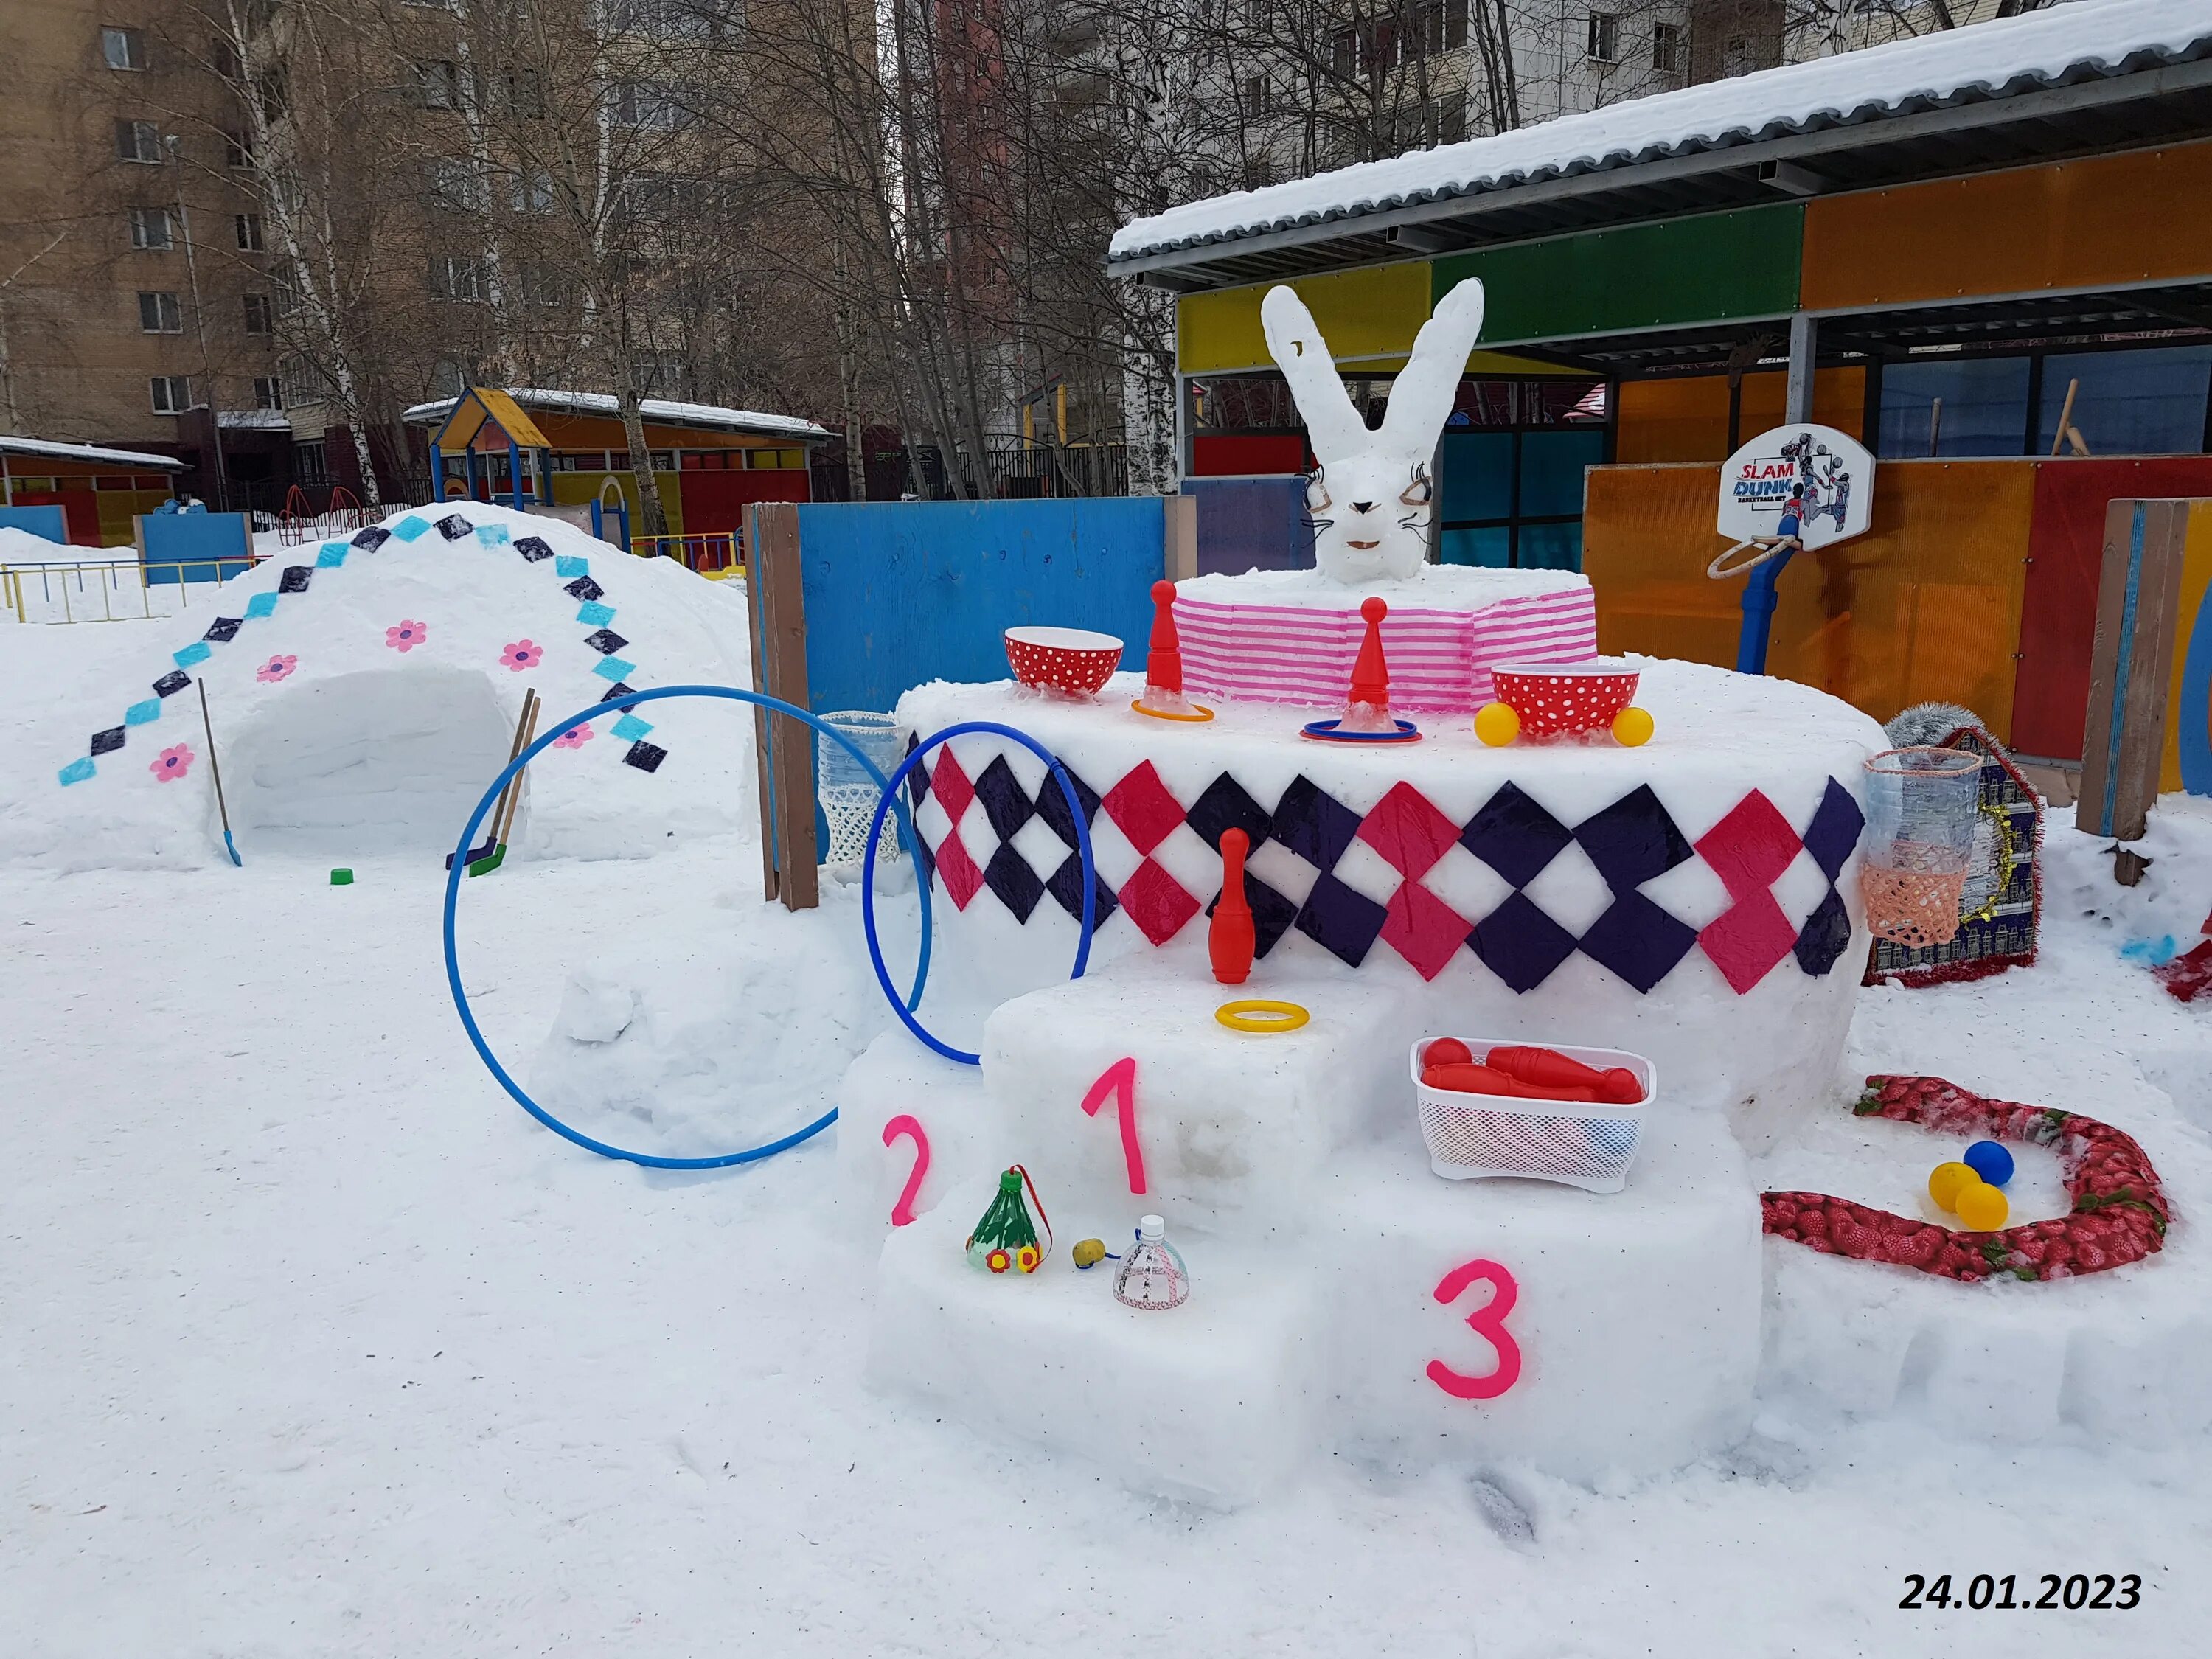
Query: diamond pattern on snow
[[1408, 831], [953, 790], [1052, 804], [1514, 836], [1422, 928], [1749, 849], [1637, 941], [1065, 885], [1272, 914], [1005, 803], [1008, 875], [957, 871], [1834, 835], [1749, 938], [1314, 824], [1154, 900], [1141, 806], [1341, 920], [1634, 841], [1224, 806], [1520, 944]]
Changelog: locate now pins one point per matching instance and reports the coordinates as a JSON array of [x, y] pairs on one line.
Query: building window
[[1438, 26], [249, 232], [1259, 94], [235, 152], [456, 277], [172, 394], [123, 49], [532, 190], [438, 84], [453, 185], [1735, 55], [1667, 47], [160, 313], [257, 318], [1604, 37], [149, 228], [268, 392], [138, 141], [524, 93], [310, 464], [646, 104]]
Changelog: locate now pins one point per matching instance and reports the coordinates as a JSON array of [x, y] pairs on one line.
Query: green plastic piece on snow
[[341, 877]]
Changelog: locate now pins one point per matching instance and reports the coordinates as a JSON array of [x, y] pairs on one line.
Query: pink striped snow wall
[[1440, 660]]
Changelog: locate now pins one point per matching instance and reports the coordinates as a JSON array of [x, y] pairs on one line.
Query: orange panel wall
[[2072, 224], [1687, 420]]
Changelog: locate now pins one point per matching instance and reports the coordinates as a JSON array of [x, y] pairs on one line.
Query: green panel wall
[[1685, 271]]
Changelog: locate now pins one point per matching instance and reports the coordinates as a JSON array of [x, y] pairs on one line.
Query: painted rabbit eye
[[1317, 494], [1416, 493]]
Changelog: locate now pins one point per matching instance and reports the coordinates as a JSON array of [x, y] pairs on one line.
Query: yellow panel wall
[[2196, 592], [1925, 605], [581, 489], [1373, 311]]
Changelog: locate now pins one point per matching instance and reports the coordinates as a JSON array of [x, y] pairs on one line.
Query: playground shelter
[[1932, 245], [100, 491]]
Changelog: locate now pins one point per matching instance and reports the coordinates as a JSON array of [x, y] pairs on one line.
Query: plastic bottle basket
[[846, 794], [1586, 1145]]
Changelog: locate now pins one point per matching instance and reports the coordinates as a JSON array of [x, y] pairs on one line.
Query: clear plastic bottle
[[1151, 1273]]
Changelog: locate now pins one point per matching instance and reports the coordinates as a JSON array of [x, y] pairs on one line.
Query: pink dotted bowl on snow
[[1555, 700], [1071, 661]]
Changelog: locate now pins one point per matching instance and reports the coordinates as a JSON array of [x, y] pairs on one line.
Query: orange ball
[[1631, 728]]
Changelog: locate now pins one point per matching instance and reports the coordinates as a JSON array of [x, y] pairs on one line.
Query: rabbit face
[[1370, 516]]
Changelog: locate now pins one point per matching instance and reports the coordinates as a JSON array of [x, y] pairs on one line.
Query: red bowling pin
[[1230, 940]]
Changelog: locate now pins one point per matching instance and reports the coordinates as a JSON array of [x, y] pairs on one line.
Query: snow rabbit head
[[1372, 495]]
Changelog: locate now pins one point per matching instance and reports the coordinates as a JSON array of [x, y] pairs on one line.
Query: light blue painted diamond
[[331, 555], [410, 527], [196, 652], [595, 615], [76, 771], [568, 565], [630, 728], [142, 714], [262, 605], [612, 668]]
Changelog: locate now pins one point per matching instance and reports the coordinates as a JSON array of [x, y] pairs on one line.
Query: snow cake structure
[[1692, 900]]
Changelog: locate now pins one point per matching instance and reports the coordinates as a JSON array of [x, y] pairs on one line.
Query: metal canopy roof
[[2111, 75]]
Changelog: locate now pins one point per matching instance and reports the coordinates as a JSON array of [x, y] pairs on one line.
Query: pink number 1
[[906, 1124], [1119, 1080], [1488, 1322]]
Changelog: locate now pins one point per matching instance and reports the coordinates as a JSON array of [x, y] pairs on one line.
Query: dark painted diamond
[[1634, 841], [1052, 806], [645, 756], [1316, 825], [108, 742], [1834, 835], [617, 690], [372, 539], [1336, 917], [1272, 914], [223, 629], [453, 527], [1066, 885], [171, 682], [1005, 803], [605, 641], [1520, 944], [1225, 806], [585, 589], [294, 579], [1008, 875], [1514, 836], [1825, 935], [532, 548], [917, 781], [1637, 941]]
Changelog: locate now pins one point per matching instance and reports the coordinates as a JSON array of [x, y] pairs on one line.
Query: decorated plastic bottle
[[1151, 1273], [1006, 1240]]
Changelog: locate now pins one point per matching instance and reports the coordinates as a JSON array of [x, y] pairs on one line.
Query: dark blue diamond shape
[[1638, 941], [1834, 835], [1634, 841], [171, 682], [917, 781], [1066, 885], [1336, 917], [617, 690], [1520, 944], [645, 756], [1008, 875], [1514, 836], [1826, 934], [105, 743], [372, 539], [1314, 825], [605, 641], [585, 589], [1272, 914], [1052, 806], [1225, 806], [924, 857], [294, 579], [532, 548], [1005, 803], [453, 527], [223, 629]]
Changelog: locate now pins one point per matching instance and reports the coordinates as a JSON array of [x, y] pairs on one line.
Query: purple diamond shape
[[1225, 806], [1272, 914], [1514, 836], [372, 539], [1066, 885], [917, 781], [1008, 875], [1834, 835], [1825, 935], [1344, 922], [1634, 841], [1052, 807], [645, 756], [1520, 944], [1317, 826], [1005, 803], [1637, 941]]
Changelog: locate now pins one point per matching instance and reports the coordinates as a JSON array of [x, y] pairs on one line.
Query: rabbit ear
[[1421, 397], [1332, 425]]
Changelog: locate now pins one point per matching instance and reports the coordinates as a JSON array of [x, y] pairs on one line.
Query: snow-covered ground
[[311, 1343]]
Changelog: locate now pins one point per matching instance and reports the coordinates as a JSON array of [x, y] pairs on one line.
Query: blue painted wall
[[899, 594], [1251, 524], [197, 547], [47, 521]]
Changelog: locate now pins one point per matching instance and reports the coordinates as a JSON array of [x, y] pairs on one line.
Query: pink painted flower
[[521, 654], [407, 636], [576, 740], [173, 763], [276, 669]]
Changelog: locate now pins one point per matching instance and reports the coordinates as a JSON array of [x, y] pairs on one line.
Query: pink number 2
[[906, 1124], [1119, 1080], [1488, 1322]]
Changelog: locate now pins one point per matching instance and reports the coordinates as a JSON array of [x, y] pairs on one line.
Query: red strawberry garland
[[2120, 1212]]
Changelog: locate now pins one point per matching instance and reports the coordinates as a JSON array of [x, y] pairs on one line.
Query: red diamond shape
[[1425, 930], [1142, 807], [1408, 831], [957, 870], [952, 789], [1748, 938], [1156, 901], [1750, 848]]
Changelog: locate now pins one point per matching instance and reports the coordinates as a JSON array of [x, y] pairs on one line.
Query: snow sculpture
[[1372, 496]]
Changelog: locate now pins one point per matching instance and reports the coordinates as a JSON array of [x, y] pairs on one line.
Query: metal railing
[[108, 590], [716, 555]]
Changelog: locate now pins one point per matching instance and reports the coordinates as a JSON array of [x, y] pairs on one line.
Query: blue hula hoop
[[868, 868], [890, 800]]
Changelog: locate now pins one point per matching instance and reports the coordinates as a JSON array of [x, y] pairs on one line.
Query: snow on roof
[[655, 409], [254, 420], [1996, 59], [59, 452]]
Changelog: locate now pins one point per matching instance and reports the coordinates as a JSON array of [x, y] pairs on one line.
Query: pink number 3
[[1488, 1322]]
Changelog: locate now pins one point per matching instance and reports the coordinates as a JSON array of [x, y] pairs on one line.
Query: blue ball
[[1989, 1160]]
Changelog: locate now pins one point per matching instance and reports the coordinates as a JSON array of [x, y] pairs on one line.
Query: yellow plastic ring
[[1261, 1017], [1202, 712]]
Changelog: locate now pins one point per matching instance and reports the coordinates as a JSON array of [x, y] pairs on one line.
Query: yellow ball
[[1981, 1207], [1089, 1252], [1944, 1185], [1631, 728], [1496, 724]]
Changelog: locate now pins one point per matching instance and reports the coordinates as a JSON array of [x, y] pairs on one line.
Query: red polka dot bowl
[[1560, 700], [1067, 662]]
